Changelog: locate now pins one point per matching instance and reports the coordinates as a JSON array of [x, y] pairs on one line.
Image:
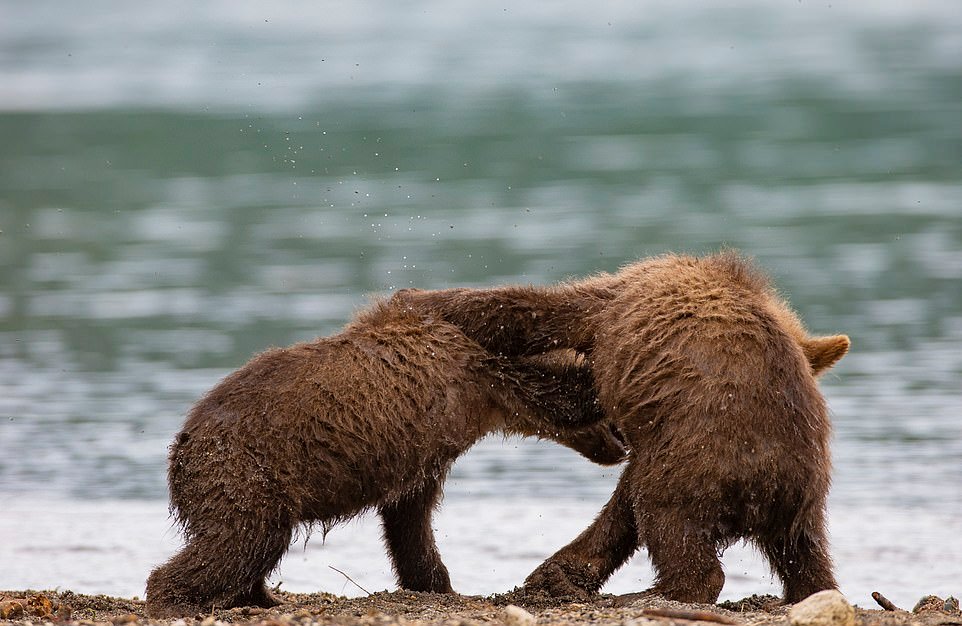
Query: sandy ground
[[415, 609]]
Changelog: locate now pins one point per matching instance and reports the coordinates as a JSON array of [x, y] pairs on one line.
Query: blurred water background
[[182, 185]]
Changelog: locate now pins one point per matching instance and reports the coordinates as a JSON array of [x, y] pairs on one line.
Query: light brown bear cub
[[318, 432], [710, 377]]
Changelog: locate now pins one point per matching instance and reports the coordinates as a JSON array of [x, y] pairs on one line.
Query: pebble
[[928, 603], [11, 609], [516, 616], [825, 608], [935, 603], [39, 605]]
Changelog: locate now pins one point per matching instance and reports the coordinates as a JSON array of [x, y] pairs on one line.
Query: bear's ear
[[824, 352]]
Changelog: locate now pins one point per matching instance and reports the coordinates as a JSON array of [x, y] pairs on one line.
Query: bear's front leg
[[582, 567], [516, 320], [410, 540]]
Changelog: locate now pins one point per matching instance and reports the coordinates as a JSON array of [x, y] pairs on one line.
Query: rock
[[516, 616], [64, 612], [928, 603], [11, 609], [935, 603], [825, 608], [39, 605]]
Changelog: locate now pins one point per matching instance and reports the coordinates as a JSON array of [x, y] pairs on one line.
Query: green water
[[166, 242], [278, 224]]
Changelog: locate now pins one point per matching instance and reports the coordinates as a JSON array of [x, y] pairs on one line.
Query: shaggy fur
[[319, 432], [710, 377]]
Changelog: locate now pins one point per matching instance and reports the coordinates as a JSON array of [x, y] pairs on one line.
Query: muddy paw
[[164, 610], [561, 579], [259, 596]]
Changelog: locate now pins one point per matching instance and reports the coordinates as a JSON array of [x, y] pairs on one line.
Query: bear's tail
[[824, 352]]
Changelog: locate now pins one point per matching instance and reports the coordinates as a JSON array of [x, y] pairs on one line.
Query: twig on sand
[[694, 616], [884, 602], [350, 579]]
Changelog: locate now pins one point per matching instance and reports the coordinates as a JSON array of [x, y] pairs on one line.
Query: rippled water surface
[[177, 194]]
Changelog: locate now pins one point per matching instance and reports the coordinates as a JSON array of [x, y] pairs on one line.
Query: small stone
[[825, 608], [39, 605], [64, 612], [11, 609], [951, 605], [928, 603], [516, 616]]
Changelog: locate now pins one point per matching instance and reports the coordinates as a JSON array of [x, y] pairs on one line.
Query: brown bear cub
[[319, 432], [710, 377]]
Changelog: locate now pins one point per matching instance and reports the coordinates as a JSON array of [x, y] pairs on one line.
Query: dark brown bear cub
[[710, 377], [319, 432]]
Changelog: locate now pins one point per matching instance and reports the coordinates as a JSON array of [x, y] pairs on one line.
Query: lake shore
[[404, 608]]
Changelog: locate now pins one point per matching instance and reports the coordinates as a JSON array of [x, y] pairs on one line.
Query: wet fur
[[711, 379], [319, 432]]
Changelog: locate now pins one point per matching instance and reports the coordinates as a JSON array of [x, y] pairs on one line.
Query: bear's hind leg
[[410, 540], [222, 566], [684, 557], [801, 560]]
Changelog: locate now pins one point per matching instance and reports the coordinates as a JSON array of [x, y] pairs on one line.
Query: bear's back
[[355, 417], [696, 355], [715, 316]]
